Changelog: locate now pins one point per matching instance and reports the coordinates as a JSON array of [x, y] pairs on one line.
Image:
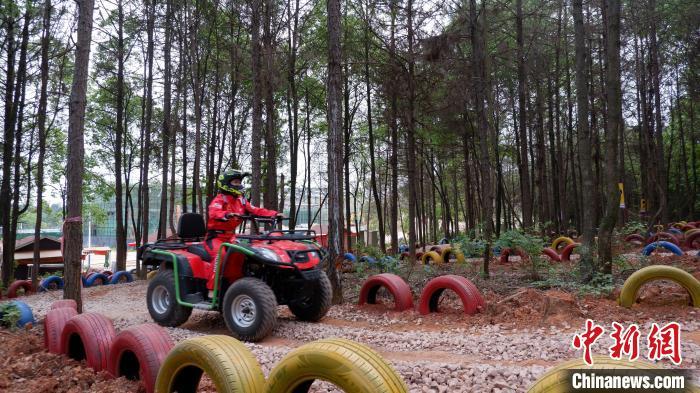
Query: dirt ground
[[523, 331]]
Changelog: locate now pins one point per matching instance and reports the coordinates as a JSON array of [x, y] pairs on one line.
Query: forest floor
[[524, 330]]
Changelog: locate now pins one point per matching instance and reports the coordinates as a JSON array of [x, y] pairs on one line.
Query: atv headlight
[[268, 254]]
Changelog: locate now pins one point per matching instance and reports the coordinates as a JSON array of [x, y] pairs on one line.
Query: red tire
[[566, 252], [669, 237], [634, 238], [396, 285], [436, 248], [54, 322], [65, 303], [471, 298], [88, 336], [404, 256], [137, 353], [107, 273], [19, 284], [694, 237], [419, 255], [687, 227], [505, 253], [551, 254]]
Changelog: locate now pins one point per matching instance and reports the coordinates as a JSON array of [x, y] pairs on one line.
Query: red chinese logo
[[665, 342], [662, 342], [587, 339], [626, 342]]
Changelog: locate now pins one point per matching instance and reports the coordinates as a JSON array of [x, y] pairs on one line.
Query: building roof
[[45, 243]]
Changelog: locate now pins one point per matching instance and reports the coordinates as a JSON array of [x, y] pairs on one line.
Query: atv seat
[[191, 226], [198, 250]]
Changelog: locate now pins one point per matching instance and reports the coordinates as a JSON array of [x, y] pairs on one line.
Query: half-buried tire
[[138, 352], [448, 252], [566, 252], [96, 279], [399, 289], [54, 322], [16, 286], [661, 244], [628, 294], [433, 256], [51, 283], [350, 366], [634, 238], [471, 298], [561, 240], [227, 362], [88, 337], [552, 254], [121, 277]]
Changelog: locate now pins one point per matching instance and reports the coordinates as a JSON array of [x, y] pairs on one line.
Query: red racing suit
[[221, 229]]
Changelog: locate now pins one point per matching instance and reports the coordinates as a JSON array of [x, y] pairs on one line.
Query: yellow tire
[[437, 259], [628, 295], [561, 239], [151, 274], [556, 380], [350, 366], [227, 362], [447, 251]]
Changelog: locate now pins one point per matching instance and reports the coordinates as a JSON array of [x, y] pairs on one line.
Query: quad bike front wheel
[[316, 304], [162, 302], [250, 309]]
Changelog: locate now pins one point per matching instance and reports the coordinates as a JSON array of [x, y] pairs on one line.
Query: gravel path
[[454, 358]]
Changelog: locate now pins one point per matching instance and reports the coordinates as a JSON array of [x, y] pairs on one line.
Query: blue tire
[[368, 259], [663, 244], [118, 275], [444, 241], [675, 231], [25, 314], [91, 281], [403, 248], [49, 282], [350, 257], [83, 280]]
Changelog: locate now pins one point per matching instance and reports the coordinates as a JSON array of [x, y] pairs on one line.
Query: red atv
[[246, 282]]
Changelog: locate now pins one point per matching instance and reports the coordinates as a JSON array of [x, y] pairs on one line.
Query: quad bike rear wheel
[[316, 305], [162, 302], [250, 309]]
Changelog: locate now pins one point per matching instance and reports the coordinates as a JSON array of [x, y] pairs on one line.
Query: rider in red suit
[[223, 210]]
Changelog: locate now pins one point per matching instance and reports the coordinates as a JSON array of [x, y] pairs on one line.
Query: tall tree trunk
[[656, 84], [270, 192], [523, 169], [167, 123], [73, 225], [293, 109], [614, 124], [393, 124], [41, 124], [18, 108], [8, 152], [478, 31], [145, 164], [256, 132], [584, 144], [335, 146], [370, 128], [118, 141]]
